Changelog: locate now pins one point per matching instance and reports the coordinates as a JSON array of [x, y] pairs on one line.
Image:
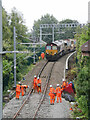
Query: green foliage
[[69, 32], [83, 77], [73, 71], [50, 19], [7, 73], [9, 21], [82, 82], [46, 19], [83, 104]]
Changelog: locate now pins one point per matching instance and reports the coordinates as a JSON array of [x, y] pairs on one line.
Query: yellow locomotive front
[[51, 51]]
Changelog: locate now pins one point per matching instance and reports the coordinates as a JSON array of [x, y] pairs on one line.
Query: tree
[[69, 32], [46, 19], [7, 33], [83, 76], [9, 21]]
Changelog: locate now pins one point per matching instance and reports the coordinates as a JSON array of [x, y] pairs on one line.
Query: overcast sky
[[60, 9]]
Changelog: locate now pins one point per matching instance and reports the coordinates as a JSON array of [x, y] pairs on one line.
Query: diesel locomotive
[[58, 48]]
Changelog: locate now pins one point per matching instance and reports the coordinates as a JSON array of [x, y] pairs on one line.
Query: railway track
[[41, 97], [29, 93], [58, 110], [45, 89], [34, 104]]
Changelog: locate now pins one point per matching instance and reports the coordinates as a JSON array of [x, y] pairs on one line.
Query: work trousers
[[22, 92], [17, 94], [38, 89], [59, 97], [52, 99], [34, 87]]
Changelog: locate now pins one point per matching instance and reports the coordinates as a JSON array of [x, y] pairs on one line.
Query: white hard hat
[[34, 75], [57, 84], [19, 82], [8, 90], [63, 79], [50, 85], [37, 77]]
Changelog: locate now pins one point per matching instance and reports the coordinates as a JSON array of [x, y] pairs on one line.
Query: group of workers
[[20, 88], [37, 84], [57, 92]]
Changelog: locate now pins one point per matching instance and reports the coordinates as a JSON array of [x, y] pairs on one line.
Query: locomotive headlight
[[55, 53], [47, 53]]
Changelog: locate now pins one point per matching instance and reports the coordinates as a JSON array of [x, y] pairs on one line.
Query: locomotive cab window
[[54, 48], [48, 47]]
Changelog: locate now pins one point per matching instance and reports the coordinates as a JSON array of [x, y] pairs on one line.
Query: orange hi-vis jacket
[[42, 55], [22, 87], [35, 81], [52, 95], [39, 81], [38, 85], [18, 88], [52, 92], [22, 90], [64, 84], [25, 86], [58, 91]]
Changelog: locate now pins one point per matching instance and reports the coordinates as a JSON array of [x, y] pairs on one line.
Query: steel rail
[[44, 93], [30, 92]]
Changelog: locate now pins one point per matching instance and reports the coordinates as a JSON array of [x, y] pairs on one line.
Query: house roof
[[86, 47]]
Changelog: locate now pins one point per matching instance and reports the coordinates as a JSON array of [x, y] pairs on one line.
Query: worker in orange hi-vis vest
[[58, 93], [35, 83], [22, 90], [18, 90], [25, 86], [42, 55], [52, 95], [64, 84], [38, 84]]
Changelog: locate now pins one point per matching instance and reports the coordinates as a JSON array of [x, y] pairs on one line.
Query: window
[[54, 48], [48, 47]]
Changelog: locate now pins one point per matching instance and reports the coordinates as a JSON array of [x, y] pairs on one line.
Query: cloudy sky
[[60, 9]]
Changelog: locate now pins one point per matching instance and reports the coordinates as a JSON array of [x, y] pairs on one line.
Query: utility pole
[[40, 35], [53, 34], [89, 12], [14, 56], [88, 103], [1, 78], [33, 35]]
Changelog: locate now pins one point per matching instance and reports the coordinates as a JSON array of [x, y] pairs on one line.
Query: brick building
[[85, 48]]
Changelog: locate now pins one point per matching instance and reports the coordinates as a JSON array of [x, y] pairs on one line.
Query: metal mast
[[1, 93], [14, 56], [89, 12], [53, 34]]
